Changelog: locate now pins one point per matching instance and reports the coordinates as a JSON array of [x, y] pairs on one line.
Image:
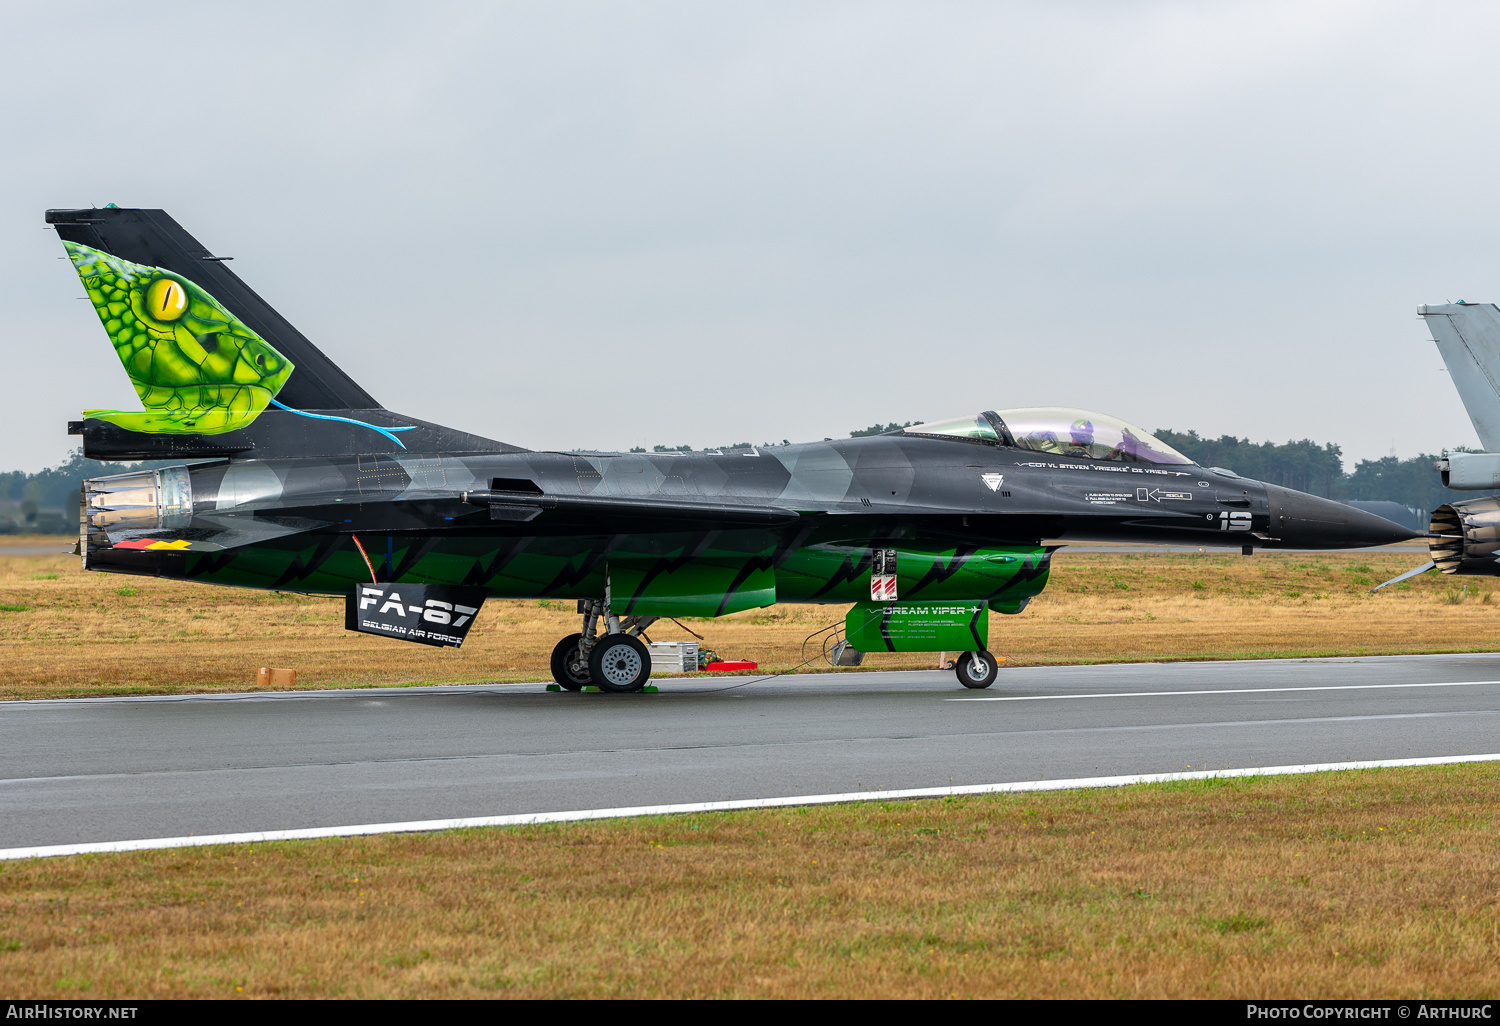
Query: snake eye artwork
[[288, 475]]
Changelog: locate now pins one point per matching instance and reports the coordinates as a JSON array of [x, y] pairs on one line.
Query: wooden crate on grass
[[272, 677]]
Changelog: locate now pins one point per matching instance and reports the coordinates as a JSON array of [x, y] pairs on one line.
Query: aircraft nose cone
[[1307, 521]]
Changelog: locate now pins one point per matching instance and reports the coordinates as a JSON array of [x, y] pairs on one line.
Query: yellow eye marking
[[166, 300]]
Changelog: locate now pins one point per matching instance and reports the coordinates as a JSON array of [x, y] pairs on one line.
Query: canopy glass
[[1059, 431]]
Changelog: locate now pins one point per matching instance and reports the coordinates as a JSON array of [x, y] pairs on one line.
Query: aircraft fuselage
[[704, 533]]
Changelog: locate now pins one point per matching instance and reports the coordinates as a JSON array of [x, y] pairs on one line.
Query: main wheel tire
[[976, 669], [564, 659], [619, 663]]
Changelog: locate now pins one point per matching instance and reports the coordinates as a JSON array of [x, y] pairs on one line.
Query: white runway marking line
[[535, 818], [1223, 691]]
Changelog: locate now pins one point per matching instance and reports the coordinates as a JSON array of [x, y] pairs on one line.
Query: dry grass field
[[67, 633], [1357, 884]]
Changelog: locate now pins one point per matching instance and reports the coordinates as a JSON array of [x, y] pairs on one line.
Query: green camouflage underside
[[647, 575]]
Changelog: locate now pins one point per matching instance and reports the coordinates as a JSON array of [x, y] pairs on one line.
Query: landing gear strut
[[614, 661]]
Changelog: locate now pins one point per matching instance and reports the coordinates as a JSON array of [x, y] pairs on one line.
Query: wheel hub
[[622, 667]]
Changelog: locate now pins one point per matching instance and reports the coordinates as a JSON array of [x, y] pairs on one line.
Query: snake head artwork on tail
[[196, 367], [289, 476]]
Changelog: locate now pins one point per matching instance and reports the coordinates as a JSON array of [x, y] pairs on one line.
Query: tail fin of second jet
[[1468, 337]]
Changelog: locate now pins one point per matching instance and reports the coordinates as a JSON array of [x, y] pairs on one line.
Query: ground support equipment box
[[673, 656]]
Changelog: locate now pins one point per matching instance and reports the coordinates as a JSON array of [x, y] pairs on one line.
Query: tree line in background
[[47, 501]]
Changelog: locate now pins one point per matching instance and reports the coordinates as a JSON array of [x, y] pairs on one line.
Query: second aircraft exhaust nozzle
[[1465, 537], [1299, 520]]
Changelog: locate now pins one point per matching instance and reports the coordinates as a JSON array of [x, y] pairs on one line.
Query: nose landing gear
[[615, 661]]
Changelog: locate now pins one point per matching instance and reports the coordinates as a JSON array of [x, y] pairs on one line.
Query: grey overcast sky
[[598, 225]]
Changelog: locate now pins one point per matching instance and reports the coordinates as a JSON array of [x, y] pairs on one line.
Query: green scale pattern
[[197, 368]]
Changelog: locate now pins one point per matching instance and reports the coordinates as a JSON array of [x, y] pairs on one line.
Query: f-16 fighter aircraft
[[1465, 536], [307, 484]]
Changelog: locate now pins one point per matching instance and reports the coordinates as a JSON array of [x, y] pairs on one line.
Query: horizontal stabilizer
[[282, 433], [210, 532], [1410, 573]]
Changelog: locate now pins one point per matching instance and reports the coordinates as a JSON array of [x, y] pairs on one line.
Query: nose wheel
[[976, 669]]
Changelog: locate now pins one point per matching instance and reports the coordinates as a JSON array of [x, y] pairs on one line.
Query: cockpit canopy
[[1058, 431]]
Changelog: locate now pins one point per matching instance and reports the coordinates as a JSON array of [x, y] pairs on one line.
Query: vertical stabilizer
[[1468, 337], [151, 239], [219, 372]]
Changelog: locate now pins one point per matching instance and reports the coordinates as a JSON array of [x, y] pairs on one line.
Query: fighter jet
[[1465, 535], [292, 477]]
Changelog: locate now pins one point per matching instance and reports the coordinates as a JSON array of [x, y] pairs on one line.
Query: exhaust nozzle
[[141, 500]]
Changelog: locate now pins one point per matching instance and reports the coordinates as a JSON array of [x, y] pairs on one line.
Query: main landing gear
[[976, 669], [614, 661]]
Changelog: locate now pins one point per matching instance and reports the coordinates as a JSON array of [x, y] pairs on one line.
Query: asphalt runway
[[96, 770]]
